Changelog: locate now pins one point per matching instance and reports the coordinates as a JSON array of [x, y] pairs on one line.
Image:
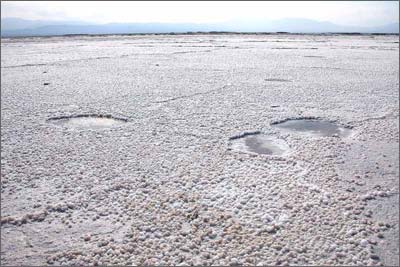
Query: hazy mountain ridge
[[11, 24], [19, 27]]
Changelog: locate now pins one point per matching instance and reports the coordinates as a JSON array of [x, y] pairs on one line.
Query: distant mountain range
[[13, 27]]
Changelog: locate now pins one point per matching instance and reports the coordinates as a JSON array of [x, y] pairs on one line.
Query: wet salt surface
[[87, 121], [260, 144], [313, 127], [164, 189]]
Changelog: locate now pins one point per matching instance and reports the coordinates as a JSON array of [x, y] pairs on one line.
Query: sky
[[357, 13]]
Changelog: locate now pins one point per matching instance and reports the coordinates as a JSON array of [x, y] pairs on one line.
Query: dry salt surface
[[167, 150]]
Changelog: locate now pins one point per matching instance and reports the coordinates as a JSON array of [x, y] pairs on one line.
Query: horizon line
[[196, 23]]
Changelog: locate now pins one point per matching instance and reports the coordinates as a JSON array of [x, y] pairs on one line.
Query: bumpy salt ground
[[169, 186]]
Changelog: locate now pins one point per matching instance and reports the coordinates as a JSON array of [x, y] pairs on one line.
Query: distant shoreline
[[203, 33]]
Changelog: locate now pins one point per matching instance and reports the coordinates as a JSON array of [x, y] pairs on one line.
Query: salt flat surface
[[166, 187]]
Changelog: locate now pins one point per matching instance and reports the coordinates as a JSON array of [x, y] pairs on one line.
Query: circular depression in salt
[[313, 127], [259, 144], [88, 121]]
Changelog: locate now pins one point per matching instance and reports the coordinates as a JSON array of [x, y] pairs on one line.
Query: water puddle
[[277, 80], [88, 121], [259, 144], [313, 127]]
